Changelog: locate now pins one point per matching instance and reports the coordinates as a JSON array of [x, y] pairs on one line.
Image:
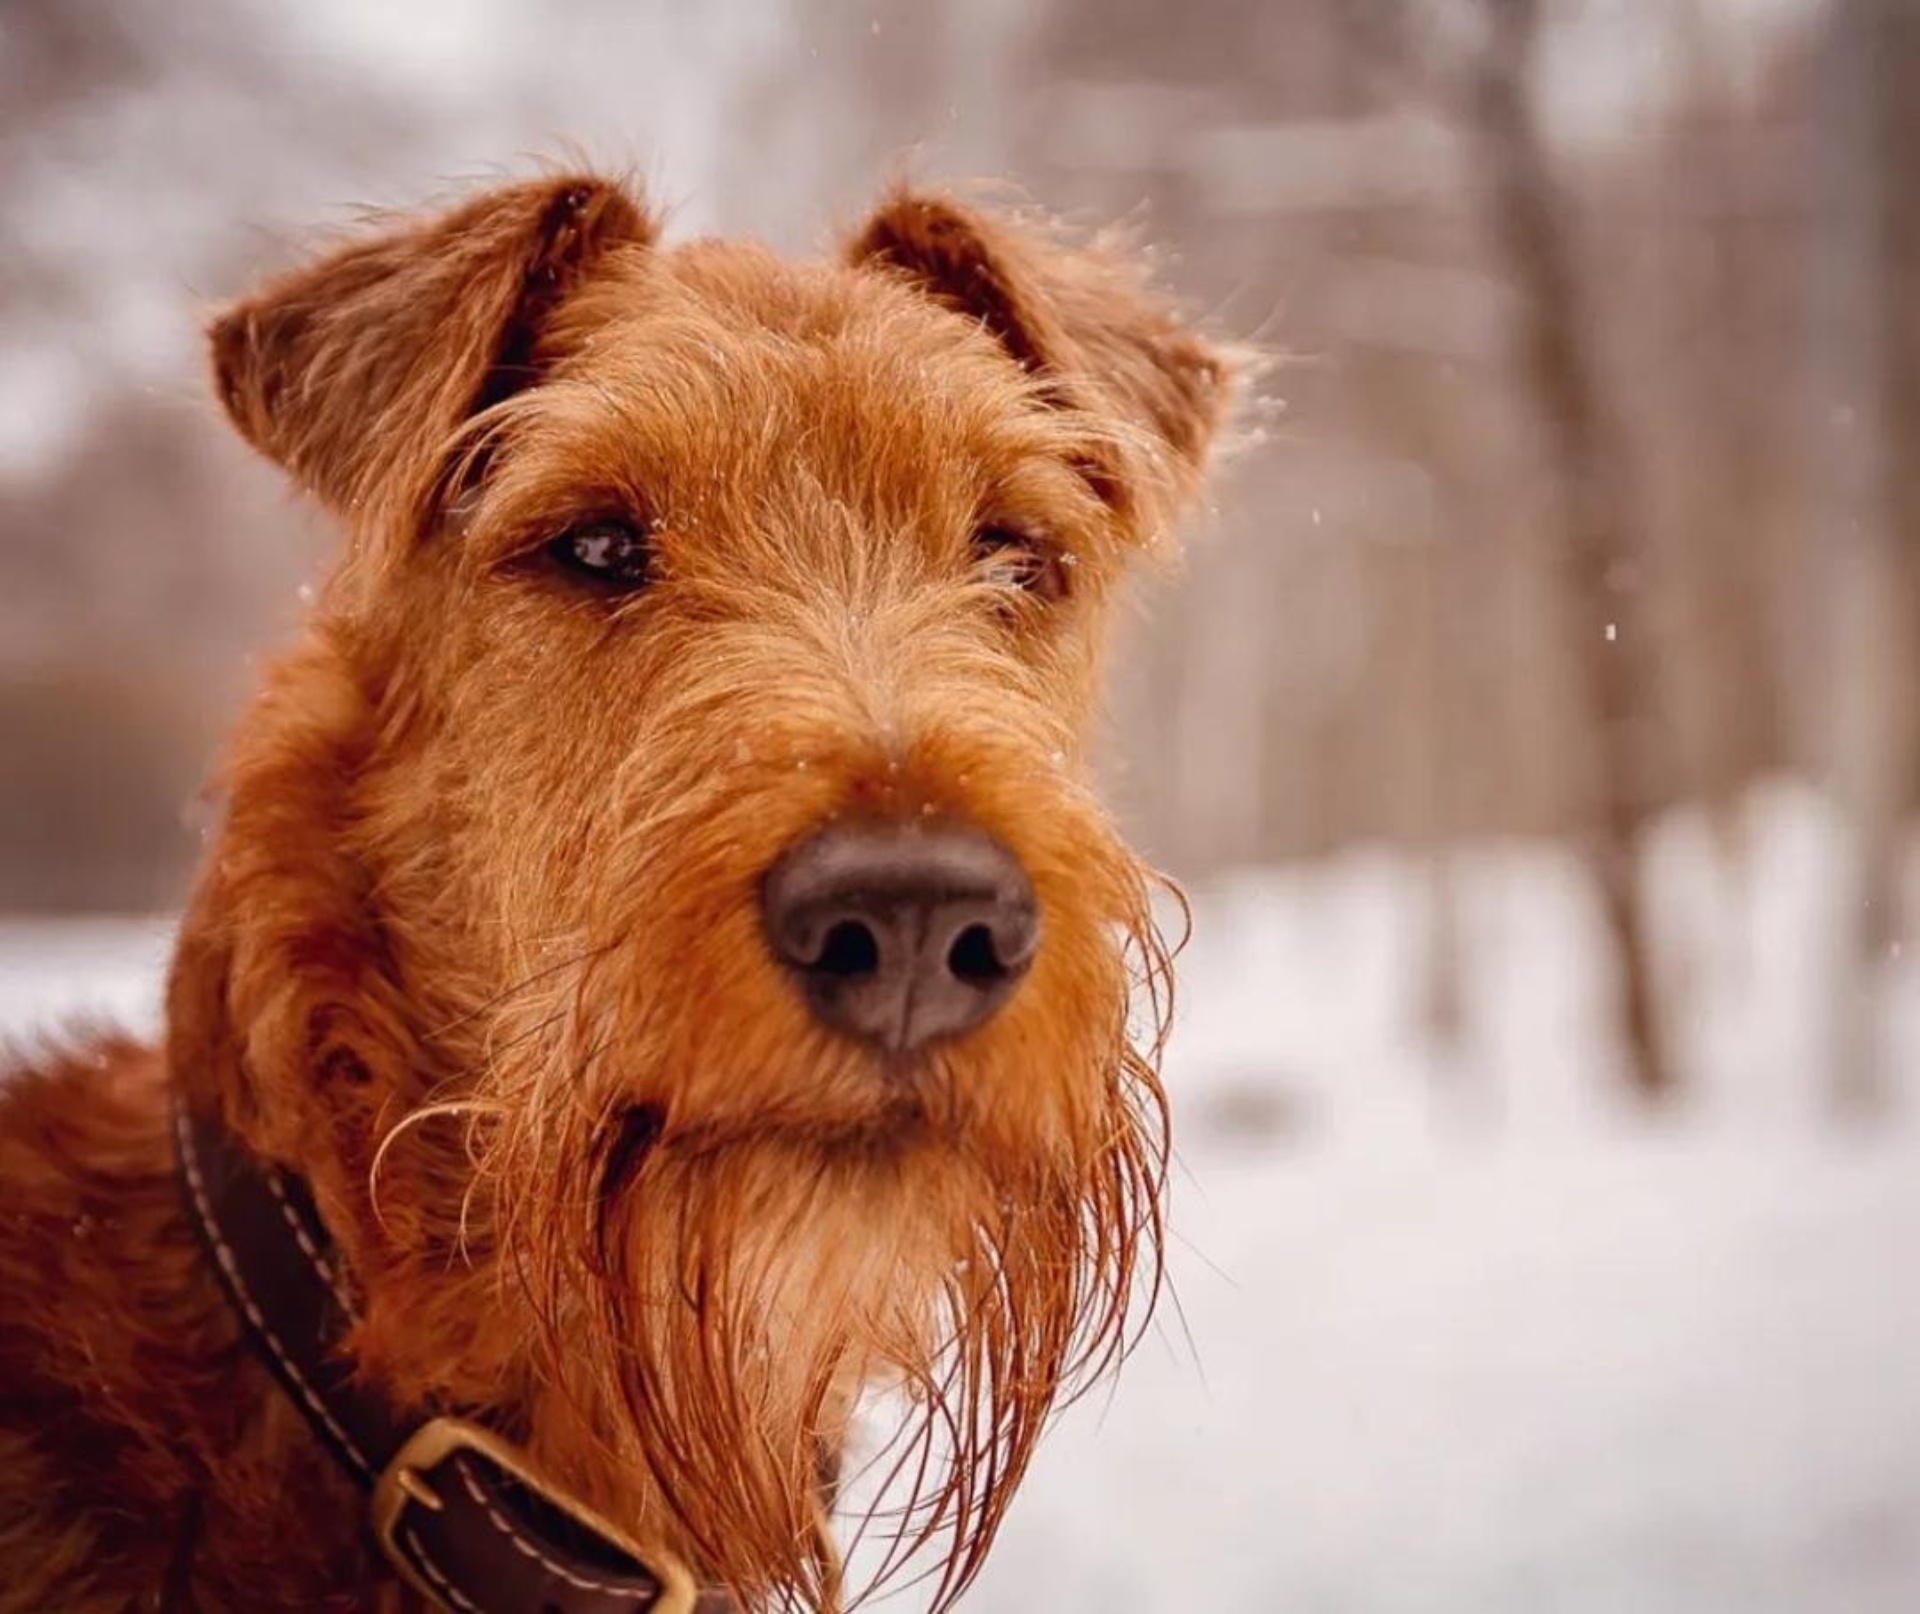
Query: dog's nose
[[899, 934]]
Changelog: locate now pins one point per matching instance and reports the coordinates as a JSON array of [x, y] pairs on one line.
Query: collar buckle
[[423, 1481]]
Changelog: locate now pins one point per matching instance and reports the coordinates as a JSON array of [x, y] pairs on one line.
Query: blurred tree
[[1399, 637], [1866, 402], [1895, 103], [97, 779], [1590, 466]]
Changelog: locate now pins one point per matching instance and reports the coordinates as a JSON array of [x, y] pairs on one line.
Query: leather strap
[[455, 1508]]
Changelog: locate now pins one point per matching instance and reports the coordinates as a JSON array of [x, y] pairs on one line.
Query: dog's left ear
[[355, 371], [1080, 318]]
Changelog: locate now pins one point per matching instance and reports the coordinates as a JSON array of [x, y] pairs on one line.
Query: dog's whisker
[[508, 993], [409, 1122]]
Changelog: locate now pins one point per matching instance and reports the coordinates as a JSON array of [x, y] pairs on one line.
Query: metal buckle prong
[[434, 1442], [417, 1488]]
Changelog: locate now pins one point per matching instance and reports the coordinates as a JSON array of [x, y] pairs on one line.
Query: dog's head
[[665, 890]]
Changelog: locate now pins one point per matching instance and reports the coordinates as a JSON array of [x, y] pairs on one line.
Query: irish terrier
[[662, 969]]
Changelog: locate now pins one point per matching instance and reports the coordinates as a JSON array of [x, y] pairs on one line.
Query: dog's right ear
[[355, 372], [1079, 316]]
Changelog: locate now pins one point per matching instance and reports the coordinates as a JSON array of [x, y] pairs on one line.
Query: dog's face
[[713, 661]]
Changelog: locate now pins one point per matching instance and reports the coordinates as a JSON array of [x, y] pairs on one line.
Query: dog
[[662, 969]]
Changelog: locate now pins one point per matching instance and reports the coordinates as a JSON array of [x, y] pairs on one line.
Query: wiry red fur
[[477, 949]]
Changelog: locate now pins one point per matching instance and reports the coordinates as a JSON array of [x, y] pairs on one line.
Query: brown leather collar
[[456, 1510]]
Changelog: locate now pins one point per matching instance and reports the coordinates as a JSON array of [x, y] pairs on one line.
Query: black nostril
[[972, 956], [849, 951]]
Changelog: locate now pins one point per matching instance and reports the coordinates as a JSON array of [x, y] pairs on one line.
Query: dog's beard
[[714, 1295]]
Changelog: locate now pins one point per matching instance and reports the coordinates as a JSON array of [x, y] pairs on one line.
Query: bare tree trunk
[[1896, 56], [1863, 553], [1560, 369]]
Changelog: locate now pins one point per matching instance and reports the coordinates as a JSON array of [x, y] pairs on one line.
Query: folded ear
[[1078, 316], [355, 371]]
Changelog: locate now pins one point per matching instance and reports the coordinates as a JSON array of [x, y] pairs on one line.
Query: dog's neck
[[434, 1333], [296, 1017]]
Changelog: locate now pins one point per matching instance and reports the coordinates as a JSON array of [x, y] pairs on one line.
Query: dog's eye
[[613, 554], [1022, 562]]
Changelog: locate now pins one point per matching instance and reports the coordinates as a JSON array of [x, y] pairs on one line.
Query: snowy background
[[1460, 1334], [1512, 682]]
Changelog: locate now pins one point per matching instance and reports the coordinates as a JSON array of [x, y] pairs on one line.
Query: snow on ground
[[1461, 1333], [80, 972]]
